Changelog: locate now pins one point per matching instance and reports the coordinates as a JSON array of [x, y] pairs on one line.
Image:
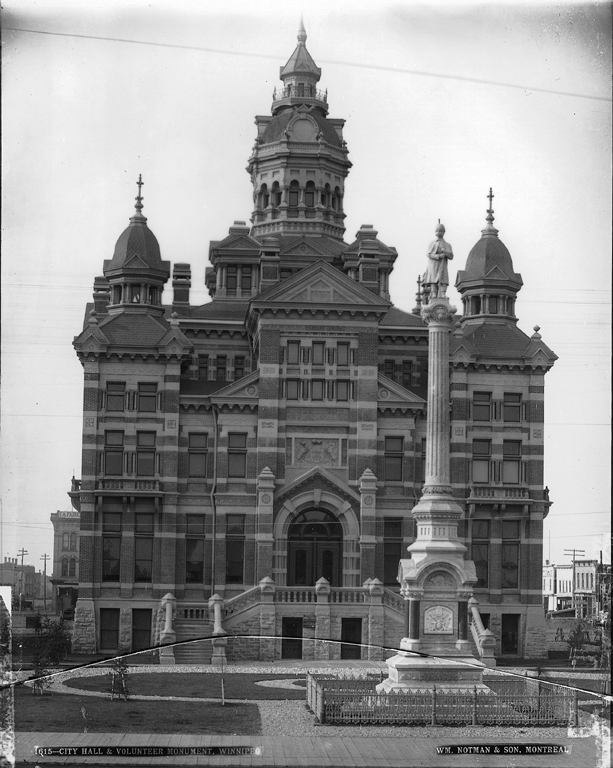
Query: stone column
[[376, 620], [322, 619], [368, 506], [267, 619], [264, 537], [168, 635]]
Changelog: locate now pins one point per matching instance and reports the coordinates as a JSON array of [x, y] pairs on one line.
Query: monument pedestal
[[408, 672]]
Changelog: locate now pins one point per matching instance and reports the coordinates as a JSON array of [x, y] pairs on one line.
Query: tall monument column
[[436, 580]]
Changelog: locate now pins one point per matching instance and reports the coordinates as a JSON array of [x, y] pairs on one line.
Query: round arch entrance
[[315, 549]]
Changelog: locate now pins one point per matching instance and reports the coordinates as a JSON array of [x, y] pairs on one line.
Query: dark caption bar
[[145, 751], [504, 749]]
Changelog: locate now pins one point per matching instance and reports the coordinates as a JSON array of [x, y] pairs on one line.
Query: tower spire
[[139, 197], [490, 229], [302, 35]]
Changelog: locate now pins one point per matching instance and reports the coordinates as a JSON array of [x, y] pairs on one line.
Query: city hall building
[[256, 459]]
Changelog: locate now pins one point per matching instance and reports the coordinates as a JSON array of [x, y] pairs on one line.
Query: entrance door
[[351, 632], [291, 644], [109, 629], [315, 549], [510, 634], [141, 629]]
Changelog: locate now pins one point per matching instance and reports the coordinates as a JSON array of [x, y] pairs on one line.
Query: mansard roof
[[134, 330], [499, 342], [398, 318], [275, 130]]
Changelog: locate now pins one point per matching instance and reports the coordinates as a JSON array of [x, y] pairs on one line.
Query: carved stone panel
[[440, 580], [438, 620]]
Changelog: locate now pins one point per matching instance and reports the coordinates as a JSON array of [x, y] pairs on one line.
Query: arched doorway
[[315, 549]]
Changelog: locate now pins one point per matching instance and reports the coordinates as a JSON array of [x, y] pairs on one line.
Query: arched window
[[65, 540], [72, 571], [73, 542], [336, 199], [294, 189], [64, 567], [263, 197], [309, 194], [276, 194]]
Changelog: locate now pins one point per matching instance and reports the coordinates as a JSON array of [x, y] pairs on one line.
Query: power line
[[358, 65]]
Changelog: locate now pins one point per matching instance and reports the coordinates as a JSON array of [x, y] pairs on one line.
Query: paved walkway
[[335, 752]]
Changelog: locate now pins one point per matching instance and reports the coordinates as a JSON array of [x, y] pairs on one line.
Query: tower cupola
[[489, 284], [299, 162], [136, 274]]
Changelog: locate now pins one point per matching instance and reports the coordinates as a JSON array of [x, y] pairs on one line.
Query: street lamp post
[[44, 558], [22, 552], [574, 552]]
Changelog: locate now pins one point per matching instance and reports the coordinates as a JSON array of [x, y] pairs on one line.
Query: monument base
[[416, 673]]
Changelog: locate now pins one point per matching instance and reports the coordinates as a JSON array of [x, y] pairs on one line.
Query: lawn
[[68, 713], [196, 685]]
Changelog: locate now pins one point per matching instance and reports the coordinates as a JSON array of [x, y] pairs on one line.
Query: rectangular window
[[318, 352], [221, 363], [389, 366], [111, 545], [510, 554], [317, 390], [231, 277], [239, 368], [246, 279], [342, 354], [393, 459], [237, 455], [143, 559], [115, 396], [145, 454], [511, 408], [109, 629], [203, 367], [235, 548], [113, 453], [482, 406], [480, 551], [196, 454], [293, 352], [147, 398], [293, 389], [194, 525], [194, 561], [407, 374], [342, 390], [143, 523], [481, 461], [511, 456]]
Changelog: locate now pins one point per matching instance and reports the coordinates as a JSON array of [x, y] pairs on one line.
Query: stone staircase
[[199, 653]]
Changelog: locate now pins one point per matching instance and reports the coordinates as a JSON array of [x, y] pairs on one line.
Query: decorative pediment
[[538, 354], [394, 395], [135, 261], [321, 479], [304, 246], [174, 341], [238, 242], [245, 389], [321, 284], [91, 340], [496, 274], [462, 355]]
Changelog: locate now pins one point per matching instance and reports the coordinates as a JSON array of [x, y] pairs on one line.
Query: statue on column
[[436, 275]]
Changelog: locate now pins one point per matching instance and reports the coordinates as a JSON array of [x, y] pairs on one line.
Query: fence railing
[[507, 702]]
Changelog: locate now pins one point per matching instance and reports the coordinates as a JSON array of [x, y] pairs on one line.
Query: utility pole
[[574, 552], [45, 557], [22, 552]]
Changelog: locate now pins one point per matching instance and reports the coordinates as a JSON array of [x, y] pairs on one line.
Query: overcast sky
[[442, 102]]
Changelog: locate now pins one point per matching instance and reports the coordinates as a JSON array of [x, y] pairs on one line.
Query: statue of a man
[[436, 275]]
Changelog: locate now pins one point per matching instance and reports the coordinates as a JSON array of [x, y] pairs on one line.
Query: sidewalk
[[318, 752]]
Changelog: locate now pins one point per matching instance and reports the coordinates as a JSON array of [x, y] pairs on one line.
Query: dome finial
[[490, 229], [302, 35], [139, 198]]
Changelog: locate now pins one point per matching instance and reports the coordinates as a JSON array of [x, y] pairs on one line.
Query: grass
[[63, 713], [196, 685]]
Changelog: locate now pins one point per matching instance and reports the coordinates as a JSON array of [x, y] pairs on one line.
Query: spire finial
[[490, 210], [490, 229], [139, 198], [302, 35]]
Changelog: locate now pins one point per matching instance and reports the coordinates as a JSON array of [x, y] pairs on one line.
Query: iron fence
[[507, 702]]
